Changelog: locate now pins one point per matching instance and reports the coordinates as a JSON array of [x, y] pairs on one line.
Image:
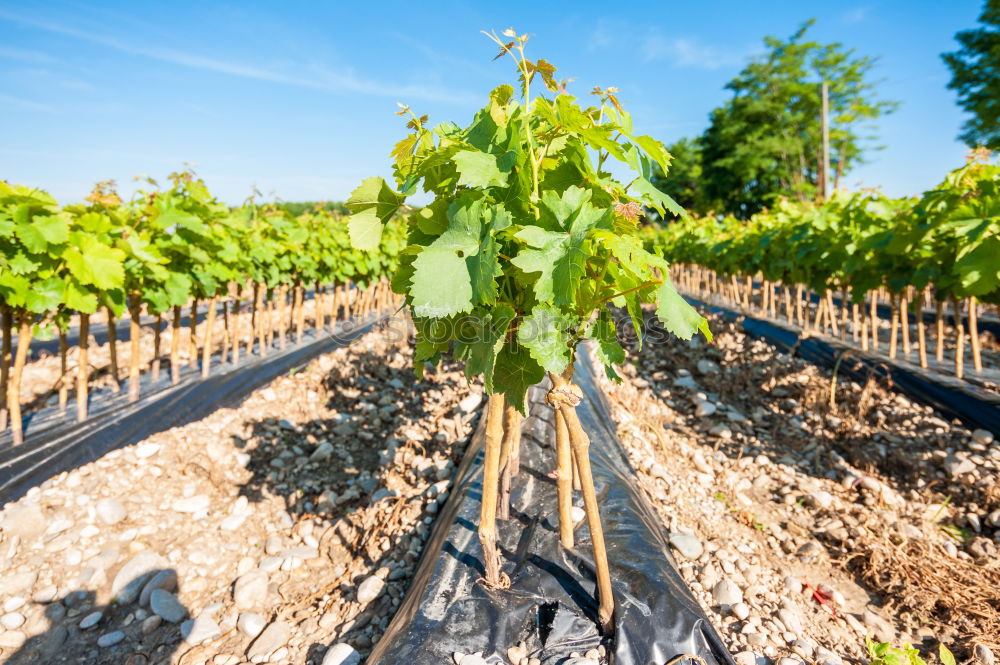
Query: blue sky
[[298, 98]]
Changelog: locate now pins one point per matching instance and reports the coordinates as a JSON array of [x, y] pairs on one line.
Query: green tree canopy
[[975, 75], [766, 142]]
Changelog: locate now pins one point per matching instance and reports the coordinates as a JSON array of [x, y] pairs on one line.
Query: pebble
[[706, 366], [46, 595], [144, 450], [322, 452], [12, 639], [740, 610], [110, 639], [133, 575], [250, 589], [91, 620], [688, 545], [341, 654], [201, 629], [13, 603], [25, 520], [791, 620], [165, 579], [472, 659], [705, 409], [150, 623], [982, 653], [251, 624], [984, 438], [110, 511], [820, 499], [726, 592], [577, 514], [233, 522], [789, 661], [11, 583], [270, 640], [12, 620], [370, 589], [470, 403], [166, 605], [192, 504], [958, 466], [746, 658]]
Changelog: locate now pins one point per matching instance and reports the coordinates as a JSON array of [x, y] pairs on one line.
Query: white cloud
[[856, 15], [689, 52], [25, 55], [321, 78], [25, 104]]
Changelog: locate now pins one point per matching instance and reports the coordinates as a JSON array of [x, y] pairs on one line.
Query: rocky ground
[[803, 527], [263, 533]]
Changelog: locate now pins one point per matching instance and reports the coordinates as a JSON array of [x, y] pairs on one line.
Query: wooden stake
[[113, 350], [63, 370], [300, 313], [511, 442], [921, 334], [939, 332], [24, 332], [83, 369], [581, 455], [282, 294], [904, 319], [893, 326], [135, 352], [193, 335], [494, 578], [977, 360], [175, 345], [206, 349], [959, 340], [7, 329], [156, 346], [873, 317], [564, 480]]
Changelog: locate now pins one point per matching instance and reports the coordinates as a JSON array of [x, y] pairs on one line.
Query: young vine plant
[[528, 243]]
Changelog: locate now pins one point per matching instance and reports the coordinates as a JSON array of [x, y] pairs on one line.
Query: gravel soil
[[263, 533], [803, 526]]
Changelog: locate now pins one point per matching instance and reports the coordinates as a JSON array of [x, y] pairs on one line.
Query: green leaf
[[487, 333], [22, 265], [44, 295], [41, 231], [653, 197], [546, 333], [677, 315], [78, 297], [365, 230], [373, 204], [441, 285], [514, 373], [609, 350], [93, 262], [944, 653], [478, 169]]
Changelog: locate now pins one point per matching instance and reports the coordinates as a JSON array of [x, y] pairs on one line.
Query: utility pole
[[824, 174]]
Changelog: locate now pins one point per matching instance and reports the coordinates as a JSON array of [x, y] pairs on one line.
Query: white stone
[[370, 589], [110, 511], [341, 654], [250, 624]]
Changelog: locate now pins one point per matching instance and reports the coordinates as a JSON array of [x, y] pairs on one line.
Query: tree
[[684, 182], [975, 75], [766, 142]]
